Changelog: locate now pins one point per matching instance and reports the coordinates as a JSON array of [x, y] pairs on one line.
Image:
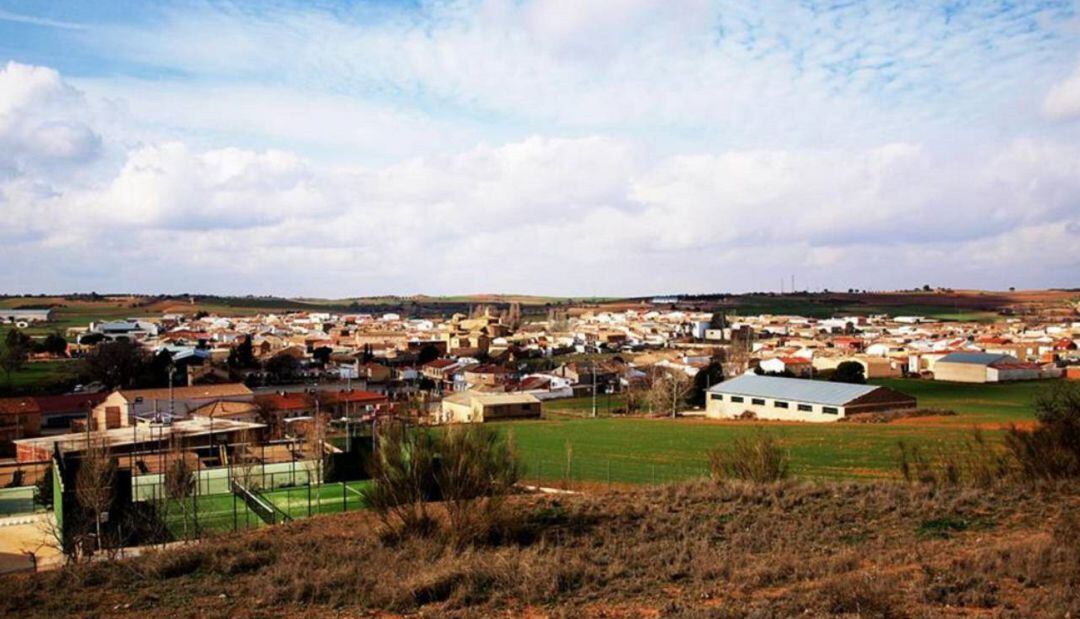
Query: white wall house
[[798, 399]]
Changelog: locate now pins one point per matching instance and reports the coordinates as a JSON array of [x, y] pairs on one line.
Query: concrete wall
[[960, 372], [996, 375]]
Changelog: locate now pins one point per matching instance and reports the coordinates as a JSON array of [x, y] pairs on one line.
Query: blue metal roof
[[978, 358], [793, 389]]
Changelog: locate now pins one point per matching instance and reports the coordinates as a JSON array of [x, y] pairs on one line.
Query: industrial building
[[797, 399], [981, 367]]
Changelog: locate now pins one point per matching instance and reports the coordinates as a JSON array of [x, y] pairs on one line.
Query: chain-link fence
[[18, 488], [236, 498]]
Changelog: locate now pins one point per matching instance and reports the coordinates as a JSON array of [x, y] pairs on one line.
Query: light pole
[[594, 388]]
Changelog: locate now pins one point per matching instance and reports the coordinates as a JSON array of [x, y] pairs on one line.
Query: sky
[[558, 147]]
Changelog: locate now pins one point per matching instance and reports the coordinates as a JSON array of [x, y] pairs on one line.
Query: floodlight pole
[[594, 389]]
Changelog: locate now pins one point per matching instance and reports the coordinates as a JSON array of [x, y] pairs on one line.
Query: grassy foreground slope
[[794, 548]]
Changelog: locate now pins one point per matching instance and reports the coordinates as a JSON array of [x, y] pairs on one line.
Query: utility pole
[[594, 389], [172, 370]]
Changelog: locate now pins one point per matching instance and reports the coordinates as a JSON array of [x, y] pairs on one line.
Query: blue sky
[[619, 147]]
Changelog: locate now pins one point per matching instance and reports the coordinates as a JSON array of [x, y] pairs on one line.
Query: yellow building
[[474, 407]]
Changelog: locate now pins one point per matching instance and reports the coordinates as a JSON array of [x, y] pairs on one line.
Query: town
[[539, 308], [274, 414]]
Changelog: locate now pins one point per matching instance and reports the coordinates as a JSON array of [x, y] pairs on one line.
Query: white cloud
[[40, 120], [546, 147], [1063, 100]]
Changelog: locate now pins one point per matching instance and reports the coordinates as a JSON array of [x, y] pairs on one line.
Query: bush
[[1052, 449], [470, 469], [758, 458], [1049, 451], [849, 372], [403, 481], [476, 469]]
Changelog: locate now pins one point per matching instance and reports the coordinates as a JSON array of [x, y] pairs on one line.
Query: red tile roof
[[284, 401], [439, 364], [18, 406], [354, 396], [70, 402]]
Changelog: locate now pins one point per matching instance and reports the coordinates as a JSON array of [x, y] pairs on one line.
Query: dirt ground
[[692, 550], [26, 546]]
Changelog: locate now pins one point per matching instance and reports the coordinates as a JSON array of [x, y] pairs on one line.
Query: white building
[[797, 399]]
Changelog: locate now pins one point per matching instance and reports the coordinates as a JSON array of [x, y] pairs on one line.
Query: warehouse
[[476, 407], [981, 367], [24, 317], [797, 399]]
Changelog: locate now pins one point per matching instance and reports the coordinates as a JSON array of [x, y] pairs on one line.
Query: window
[[806, 408], [830, 410], [736, 398], [757, 401], [779, 404], [715, 396]]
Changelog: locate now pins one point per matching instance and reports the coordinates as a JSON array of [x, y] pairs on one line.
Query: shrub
[[1052, 449], [470, 468], [476, 470], [402, 480], [758, 458]]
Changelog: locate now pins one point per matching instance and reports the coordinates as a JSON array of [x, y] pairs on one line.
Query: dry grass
[[702, 550]]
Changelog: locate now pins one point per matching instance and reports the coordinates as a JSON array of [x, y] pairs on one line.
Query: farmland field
[[38, 375], [636, 450]]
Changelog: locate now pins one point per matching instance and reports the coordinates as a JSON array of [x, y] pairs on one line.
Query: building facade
[[796, 399]]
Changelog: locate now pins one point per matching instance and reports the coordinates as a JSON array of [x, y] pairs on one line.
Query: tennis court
[[220, 513], [211, 513], [216, 480], [332, 498]]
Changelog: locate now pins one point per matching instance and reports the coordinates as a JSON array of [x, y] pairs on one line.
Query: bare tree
[[670, 389], [313, 446], [739, 352], [180, 480], [94, 483]]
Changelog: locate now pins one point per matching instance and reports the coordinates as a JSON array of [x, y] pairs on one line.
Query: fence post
[[195, 501], [234, 520], [344, 497]]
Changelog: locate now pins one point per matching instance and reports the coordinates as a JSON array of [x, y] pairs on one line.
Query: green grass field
[[991, 403], [635, 450], [38, 375], [605, 404]]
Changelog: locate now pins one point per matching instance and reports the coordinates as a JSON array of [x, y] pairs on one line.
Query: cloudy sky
[[615, 147]]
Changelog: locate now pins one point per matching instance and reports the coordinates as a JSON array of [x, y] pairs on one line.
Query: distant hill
[[944, 304]]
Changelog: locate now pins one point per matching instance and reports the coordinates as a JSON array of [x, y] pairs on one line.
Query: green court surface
[[208, 514], [216, 480], [220, 513], [332, 498], [19, 500]]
